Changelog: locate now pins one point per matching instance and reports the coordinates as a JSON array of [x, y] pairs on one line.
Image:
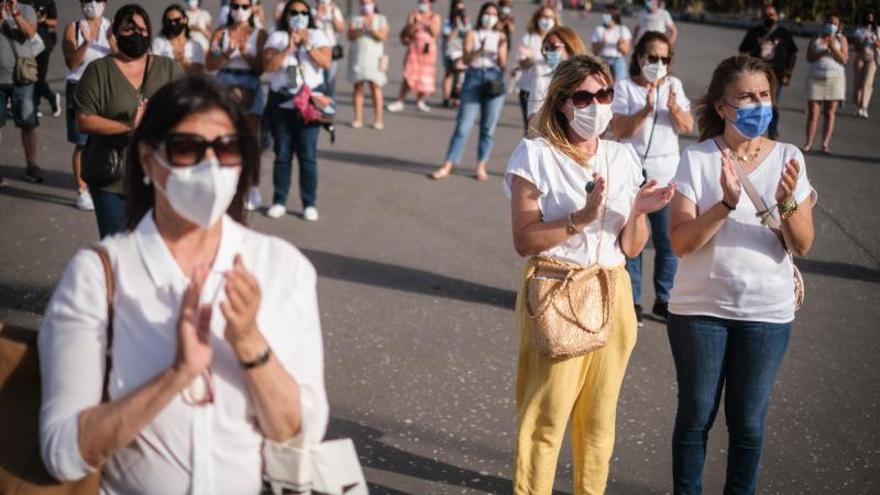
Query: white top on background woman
[[528, 53], [175, 41], [199, 23], [86, 40], [216, 343]]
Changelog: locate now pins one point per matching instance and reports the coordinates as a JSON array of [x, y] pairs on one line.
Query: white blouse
[[561, 182], [185, 449]]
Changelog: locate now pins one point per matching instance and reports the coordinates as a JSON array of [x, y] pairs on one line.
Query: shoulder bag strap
[[653, 126], [111, 289], [143, 89]]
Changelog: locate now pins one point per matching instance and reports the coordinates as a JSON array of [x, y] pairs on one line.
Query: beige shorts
[[831, 88]]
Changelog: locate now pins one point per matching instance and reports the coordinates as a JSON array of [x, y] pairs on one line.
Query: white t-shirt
[[653, 21], [325, 22], [630, 98], [743, 272], [192, 50], [610, 38], [489, 57], [561, 182], [97, 49], [529, 49], [540, 82], [287, 75]]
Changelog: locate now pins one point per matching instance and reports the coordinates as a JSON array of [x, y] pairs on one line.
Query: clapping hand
[[651, 98], [652, 197], [788, 181], [243, 301], [194, 352], [730, 185], [595, 198], [672, 103]]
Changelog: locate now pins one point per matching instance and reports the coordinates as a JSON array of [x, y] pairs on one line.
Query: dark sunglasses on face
[[582, 99], [87, 1], [304, 13], [239, 6], [653, 59], [186, 150], [552, 48]]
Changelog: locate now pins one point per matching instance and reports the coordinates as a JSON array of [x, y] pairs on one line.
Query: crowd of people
[[168, 126]]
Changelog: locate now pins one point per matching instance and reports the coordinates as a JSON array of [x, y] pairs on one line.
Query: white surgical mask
[[655, 72], [546, 23], [591, 121], [201, 193], [240, 15], [193, 4], [489, 21], [368, 8], [92, 10], [297, 22], [506, 11], [423, 7]]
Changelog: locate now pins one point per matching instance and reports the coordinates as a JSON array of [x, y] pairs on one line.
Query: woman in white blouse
[[733, 300], [612, 41], [650, 111], [174, 41], [199, 23], [216, 341], [555, 217], [530, 55]]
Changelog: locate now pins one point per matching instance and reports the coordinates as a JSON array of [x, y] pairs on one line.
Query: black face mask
[[133, 45], [769, 22], [174, 28]]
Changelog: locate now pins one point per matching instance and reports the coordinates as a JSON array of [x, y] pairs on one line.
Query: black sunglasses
[[653, 59], [293, 12], [581, 99], [554, 47], [239, 6], [186, 150]]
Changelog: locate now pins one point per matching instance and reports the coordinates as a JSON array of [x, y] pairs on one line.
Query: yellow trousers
[[584, 388]]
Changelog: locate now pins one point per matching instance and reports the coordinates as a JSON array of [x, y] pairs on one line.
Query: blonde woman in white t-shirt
[[557, 222], [733, 300]]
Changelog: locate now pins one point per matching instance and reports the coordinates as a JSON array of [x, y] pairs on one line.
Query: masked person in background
[[455, 28], [329, 19], [530, 56], [199, 23], [733, 300], [575, 203], [650, 111], [420, 63], [560, 44], [612, 41], [214, 347], [773, 44], [506, 22], [174, 41], [655, 18], [367, 61], [867, 50], [110, 100], [47, 28], [236, 53], [826, 81]]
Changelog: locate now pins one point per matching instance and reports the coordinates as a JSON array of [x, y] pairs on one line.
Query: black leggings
[[41, 87]]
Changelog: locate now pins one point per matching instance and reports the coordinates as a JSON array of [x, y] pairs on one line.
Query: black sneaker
[[661, 309], [639, 313], [33, 173]]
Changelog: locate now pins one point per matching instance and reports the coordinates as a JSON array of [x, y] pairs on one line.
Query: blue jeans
[[473, 101], [110, 211], [773, 130], [665, 261], [291, 135], [21, 98], [712, 354], [330, 79], [618, 67]]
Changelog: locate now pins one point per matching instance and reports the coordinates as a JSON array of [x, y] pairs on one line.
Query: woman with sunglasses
[[733, 300], [111, 97], [560, 44], [215, 339], [576, 202], [174, 41], [650, 111], [236, 53], [85, 40], [296, 54], [530, 55], [485, 53]]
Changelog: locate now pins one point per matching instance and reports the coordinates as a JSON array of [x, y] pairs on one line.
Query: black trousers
[[41, 87]]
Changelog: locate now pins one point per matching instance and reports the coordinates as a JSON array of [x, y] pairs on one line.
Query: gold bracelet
[[569, 224], [788, 208]]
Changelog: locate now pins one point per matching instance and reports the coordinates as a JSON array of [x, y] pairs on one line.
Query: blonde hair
[[574, 45], [550, 122]]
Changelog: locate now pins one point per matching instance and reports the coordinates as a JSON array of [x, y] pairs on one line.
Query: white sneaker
[[254, 199], [276, 211], [310, 214], [84, 201], [423, 106], [395, 107], [865, 113], [58, 108]]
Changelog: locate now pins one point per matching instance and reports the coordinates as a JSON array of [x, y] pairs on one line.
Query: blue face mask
[[553, 59], [752, 120], [830, 28]]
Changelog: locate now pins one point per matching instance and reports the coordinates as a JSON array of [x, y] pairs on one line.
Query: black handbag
[[493, 88], [337, 52]]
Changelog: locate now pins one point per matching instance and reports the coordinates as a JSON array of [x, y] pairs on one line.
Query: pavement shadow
[[390, 162], [23, 297], [53, 178], [15, 192], [842, 156], [837, 269], [376, 273]]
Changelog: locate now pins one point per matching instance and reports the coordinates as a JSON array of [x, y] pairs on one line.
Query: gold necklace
[[746, 158]]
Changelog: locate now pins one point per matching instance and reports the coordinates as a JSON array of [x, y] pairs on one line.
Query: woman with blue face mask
[[826, 81], [560, 44], [733, 300], [612, 41]]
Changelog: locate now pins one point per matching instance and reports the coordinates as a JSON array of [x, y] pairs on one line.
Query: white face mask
[[298, 22], [92, 10], [193, 4], [489, 21], [546, 23], [591, 121], [368, 9], [423, 7], [201, 193], [240, 15], [655, 72]]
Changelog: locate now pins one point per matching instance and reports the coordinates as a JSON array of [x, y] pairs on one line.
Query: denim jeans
[[665, 261], [330, 79], [291, 135], [524, 108], [712, 354], [473, 101], [618, 67], [110, 211], [773, 130]]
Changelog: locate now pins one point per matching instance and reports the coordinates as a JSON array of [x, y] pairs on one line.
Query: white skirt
[[829, 88]]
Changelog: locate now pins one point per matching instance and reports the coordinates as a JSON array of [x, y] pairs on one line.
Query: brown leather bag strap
[[110, 285]]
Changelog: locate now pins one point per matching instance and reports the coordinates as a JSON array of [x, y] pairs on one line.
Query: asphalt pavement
[[417, 283]]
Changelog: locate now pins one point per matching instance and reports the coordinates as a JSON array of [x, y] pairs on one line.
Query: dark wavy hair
[[126, 15], [635, 70], [167, 108], [282, 24], [169, 9], [483, 8], [728, 71]]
